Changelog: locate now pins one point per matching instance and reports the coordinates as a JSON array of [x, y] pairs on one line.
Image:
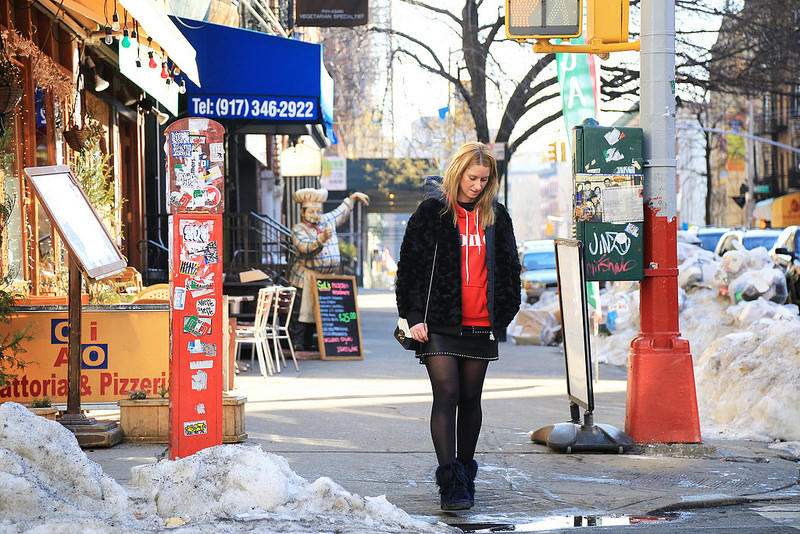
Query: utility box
[[608, 204]]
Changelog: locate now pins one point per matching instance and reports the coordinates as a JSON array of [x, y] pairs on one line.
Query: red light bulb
[[164, 73], [152, 63]]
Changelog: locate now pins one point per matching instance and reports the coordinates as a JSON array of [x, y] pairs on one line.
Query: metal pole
[[74, 354], [505, 174], [751, 165], [359, 251], [661, 399]]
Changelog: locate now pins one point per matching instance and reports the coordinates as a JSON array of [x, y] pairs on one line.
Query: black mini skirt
[[475, 343]]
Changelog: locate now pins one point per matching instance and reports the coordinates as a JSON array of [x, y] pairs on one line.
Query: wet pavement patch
[[564, 521]]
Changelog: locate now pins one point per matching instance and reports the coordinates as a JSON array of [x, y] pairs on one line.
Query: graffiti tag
[[605, 265], [608, 242]]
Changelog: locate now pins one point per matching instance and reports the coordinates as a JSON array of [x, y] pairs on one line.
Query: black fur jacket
[[425, 228]]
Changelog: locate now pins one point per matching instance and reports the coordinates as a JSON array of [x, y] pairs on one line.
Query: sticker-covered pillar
[[661, 404], [195, 164]]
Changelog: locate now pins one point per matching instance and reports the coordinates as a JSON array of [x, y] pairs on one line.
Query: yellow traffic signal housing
[[552, 153], [606, 26], [607, 21], [544, 19]]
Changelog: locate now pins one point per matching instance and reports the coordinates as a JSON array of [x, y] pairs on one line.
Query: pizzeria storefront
[[77, 108]]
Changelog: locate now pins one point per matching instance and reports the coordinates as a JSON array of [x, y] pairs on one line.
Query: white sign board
[[575, 321], [77, 222], [334, 174], [622, 204]]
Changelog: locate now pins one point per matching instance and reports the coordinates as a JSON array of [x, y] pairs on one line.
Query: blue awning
[[262, 83]]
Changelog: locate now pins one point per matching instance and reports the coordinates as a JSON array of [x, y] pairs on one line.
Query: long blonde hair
[[471, 154]]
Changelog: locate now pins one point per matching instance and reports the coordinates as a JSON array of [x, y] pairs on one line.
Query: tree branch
[[439, 10], [532, 130]]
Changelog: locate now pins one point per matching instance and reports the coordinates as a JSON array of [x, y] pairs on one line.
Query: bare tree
[[757, 53], [352, 57], [477, 39]]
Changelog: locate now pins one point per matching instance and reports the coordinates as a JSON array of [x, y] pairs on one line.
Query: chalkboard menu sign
[[338, 326]]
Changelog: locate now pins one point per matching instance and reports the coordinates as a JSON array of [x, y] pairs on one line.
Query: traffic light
[[546, 19], [552, 152], [607, 21]]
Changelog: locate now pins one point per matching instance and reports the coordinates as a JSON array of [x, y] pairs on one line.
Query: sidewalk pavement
[[365, 425]]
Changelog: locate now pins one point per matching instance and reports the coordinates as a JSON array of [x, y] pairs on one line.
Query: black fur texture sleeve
[[410, 270], [507, 285]]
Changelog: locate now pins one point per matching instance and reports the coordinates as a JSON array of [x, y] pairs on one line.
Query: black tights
[[456, 383]]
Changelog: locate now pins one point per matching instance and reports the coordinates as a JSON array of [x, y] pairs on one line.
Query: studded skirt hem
[[470, 345]]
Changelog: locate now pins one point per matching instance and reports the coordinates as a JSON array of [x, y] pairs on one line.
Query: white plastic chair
[[258, 333], [281, 317]]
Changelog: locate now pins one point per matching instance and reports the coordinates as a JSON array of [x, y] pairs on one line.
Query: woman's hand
[[420, 332]]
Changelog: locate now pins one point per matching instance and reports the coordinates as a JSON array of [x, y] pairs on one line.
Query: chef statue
[[317, 248]]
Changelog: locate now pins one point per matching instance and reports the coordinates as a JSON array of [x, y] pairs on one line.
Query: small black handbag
[[402, 333]]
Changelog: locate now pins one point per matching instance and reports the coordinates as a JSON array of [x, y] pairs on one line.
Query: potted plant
[[10, 89], [44, 408], [77, 138], [146, 420]]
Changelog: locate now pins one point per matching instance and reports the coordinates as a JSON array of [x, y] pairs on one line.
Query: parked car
[[786, 254], [749, 239], [709, 236], [538, 259]]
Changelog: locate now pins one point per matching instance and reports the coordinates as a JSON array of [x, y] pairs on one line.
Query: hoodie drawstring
[[477, 233], [467, 228]]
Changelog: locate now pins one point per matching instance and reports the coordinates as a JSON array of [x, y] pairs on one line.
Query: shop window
[[41, 128], [13, 246]]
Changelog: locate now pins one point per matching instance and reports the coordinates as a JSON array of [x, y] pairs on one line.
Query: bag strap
[[430, 284]]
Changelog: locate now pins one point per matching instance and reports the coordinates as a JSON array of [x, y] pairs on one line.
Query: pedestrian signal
[[545, 19]]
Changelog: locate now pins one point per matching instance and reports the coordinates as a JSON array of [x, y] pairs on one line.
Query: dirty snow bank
[[234, 480], [747, 380], [50, 486], [744, 342], [44, 473]]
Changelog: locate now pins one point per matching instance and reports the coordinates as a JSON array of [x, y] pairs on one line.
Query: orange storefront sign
[[786, 210], [121, 351]]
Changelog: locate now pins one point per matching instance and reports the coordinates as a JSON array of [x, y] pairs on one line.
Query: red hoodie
[[474, 306]]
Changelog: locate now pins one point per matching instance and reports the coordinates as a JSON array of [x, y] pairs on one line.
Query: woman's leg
[[443, 372], [471, 375]]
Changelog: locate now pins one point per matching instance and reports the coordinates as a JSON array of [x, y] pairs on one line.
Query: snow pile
[[708, 285], [50, 486], [747, 380], [744, 341], [235, 480], [44, 473], [620, 306]]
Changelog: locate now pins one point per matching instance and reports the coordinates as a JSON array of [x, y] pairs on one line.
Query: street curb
[[712, 501]]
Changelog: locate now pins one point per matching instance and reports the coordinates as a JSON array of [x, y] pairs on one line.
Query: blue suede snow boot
[[470, 471], [452, 482]]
